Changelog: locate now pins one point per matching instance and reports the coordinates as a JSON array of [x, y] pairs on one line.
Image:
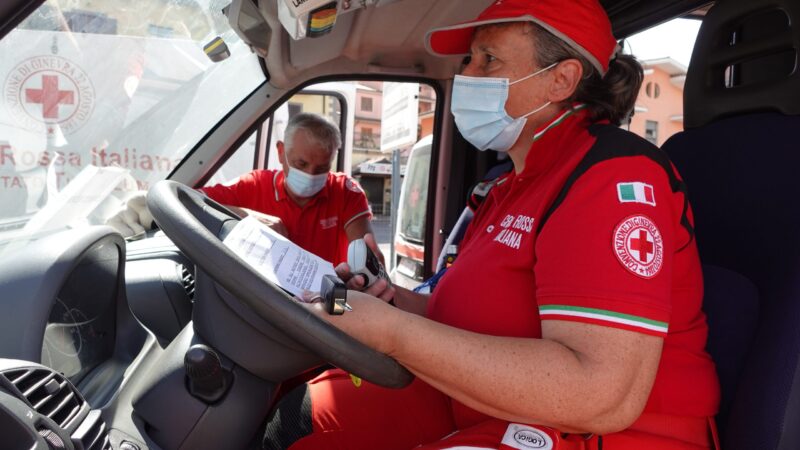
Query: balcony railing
[[366, 141]]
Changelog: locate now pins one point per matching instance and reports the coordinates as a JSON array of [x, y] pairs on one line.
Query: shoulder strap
[[494, 177], [481, 190], [613, 142]]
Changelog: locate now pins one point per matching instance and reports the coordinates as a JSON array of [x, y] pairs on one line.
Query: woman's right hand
[[381, 289]]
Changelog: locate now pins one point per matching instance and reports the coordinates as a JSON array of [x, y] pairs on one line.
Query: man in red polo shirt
[[318, 210]]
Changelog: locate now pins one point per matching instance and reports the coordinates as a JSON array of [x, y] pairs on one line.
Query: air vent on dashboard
[[92, 434], [188, 282], [48, 392]]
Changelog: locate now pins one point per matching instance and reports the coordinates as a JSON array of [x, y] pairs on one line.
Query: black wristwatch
[[334, 293]]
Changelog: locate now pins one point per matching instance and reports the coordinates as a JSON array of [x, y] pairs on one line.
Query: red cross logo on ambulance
[[46, 91], [639, 246]]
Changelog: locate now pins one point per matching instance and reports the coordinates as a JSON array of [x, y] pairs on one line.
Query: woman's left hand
[[372, 321]]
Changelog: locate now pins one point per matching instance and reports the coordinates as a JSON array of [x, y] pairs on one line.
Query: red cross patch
[[639, 246]]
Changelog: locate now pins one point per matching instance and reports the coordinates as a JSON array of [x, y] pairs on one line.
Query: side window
[[242, 161], [391, 160], [664, 52], [320, 99], [387, 142], [259, 149]]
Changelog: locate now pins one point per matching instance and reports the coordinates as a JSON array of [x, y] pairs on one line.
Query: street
[[382, 226]]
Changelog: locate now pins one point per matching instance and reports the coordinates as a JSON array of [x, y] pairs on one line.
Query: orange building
[[371, 167], [659, 106]]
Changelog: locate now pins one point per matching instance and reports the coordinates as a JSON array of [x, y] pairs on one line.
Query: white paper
[[77, 200], [278, 259]]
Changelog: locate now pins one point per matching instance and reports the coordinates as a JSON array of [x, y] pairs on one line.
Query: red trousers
[[351, 415]]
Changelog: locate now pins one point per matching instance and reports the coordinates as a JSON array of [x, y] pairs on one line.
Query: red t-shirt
[[613, 253], [318, 226]]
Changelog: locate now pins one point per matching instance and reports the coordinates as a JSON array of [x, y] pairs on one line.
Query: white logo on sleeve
[[353, 185], [330, 222], [524, 437], [639, 246]]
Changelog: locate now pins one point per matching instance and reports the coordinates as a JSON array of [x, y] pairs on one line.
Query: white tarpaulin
[[138, 103]]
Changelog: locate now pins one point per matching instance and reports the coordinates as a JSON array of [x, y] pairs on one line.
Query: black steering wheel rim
[[188, 218]]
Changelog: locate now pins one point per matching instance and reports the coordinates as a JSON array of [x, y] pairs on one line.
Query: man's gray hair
[[318, 129]]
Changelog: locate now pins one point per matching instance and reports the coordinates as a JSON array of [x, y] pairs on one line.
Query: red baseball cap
[[581, 24]]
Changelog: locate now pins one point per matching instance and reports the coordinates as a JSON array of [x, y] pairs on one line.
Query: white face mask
[[479, 107], [303, 184]]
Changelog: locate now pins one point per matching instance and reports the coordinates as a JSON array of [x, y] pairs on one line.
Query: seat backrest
[[731, 304], [740, 157], [743, 180]]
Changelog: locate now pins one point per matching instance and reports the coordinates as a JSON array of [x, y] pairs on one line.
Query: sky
[[673, 39]]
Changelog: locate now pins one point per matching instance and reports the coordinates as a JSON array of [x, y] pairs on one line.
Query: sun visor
[[315, 18]]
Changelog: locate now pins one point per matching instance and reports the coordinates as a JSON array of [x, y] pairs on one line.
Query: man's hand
[[134, 218], [273, 222]]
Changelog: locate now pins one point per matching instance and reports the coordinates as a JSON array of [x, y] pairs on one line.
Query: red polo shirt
[[612, 254], [318, 226]]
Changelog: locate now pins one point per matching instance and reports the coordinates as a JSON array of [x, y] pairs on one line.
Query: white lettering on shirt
[[513, 228]]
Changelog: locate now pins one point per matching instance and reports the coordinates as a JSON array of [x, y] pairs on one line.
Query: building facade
[[659, 106], [371, 167]]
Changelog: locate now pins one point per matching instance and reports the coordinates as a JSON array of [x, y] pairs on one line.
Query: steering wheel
[[196, 224]]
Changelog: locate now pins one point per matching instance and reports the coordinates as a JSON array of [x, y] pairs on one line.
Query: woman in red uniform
[[571, 318]]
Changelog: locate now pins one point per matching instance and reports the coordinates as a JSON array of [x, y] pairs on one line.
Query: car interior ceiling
[[359, 44]]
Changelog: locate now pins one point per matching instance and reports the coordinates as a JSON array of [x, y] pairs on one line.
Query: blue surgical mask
[[303, 184], [479, 107]]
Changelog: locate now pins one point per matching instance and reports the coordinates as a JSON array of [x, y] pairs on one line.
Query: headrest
[[745, 60]]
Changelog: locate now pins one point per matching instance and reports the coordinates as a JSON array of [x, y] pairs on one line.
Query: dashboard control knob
[[207, 379]]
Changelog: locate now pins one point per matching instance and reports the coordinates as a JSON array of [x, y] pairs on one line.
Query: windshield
[[100, 99]]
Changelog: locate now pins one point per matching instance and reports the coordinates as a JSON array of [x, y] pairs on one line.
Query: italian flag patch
[[636, 192]]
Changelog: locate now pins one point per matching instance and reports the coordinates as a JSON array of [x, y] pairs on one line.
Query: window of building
[[653, 90], [295, 109], [366, 104], [651, 131]]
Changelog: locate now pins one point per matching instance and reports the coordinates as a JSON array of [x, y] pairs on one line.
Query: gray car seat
[[740, 158]]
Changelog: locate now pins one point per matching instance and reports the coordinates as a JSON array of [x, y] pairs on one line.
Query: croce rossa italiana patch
[[639, 246]]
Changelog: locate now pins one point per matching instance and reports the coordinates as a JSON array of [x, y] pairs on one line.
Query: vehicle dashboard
[[93, 310], [80, 329], [84, 311]]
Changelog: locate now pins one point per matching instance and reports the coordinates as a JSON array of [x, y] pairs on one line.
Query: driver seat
[[739, 156]]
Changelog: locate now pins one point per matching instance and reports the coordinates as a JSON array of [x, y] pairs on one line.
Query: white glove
[[134, 218]]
